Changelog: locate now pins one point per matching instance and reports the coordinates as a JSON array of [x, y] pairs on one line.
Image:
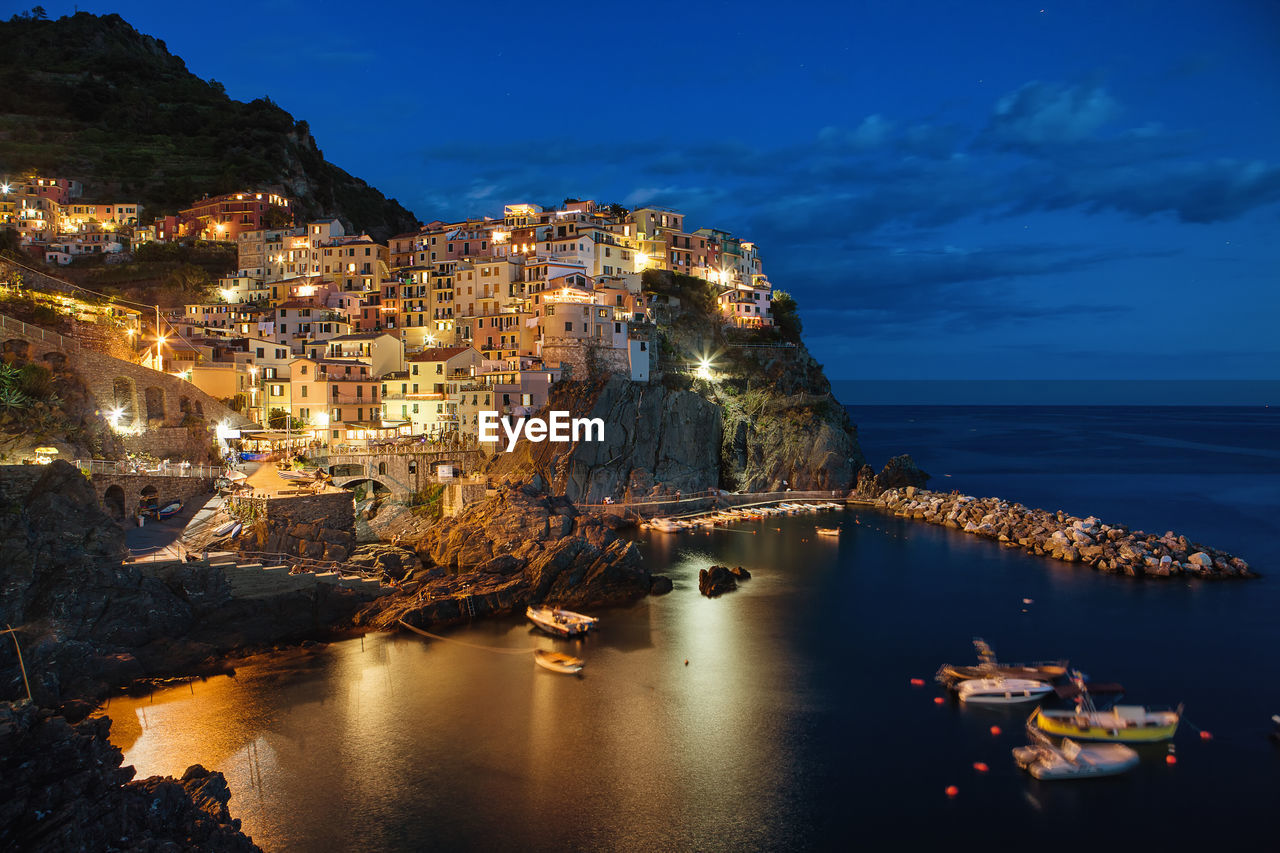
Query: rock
[[59, 782], [740, 573], [660, 585], [1200, 559], [716, 581], [901, 471]]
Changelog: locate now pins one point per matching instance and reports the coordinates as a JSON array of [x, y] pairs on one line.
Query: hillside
[[90, 98]]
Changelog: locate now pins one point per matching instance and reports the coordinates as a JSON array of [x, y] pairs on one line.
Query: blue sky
[[951, 190]]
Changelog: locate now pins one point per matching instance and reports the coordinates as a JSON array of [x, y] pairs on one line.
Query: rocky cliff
[[62, 788], [656, 441], [517, 547]]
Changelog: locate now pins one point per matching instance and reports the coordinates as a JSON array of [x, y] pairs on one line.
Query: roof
[[438, 354], [362, 336]]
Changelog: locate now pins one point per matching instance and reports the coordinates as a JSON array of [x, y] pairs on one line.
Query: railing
[[43, 334], [681, 502], [163, 469]]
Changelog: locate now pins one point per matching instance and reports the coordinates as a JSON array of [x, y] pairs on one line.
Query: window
[[304, 392], [568, 327]]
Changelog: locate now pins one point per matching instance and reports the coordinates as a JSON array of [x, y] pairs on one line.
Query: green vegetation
[[278, 418], [92, 99], [785, 316]]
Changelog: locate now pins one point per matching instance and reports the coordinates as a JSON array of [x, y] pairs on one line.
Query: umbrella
[[236, 476], [49, 450]]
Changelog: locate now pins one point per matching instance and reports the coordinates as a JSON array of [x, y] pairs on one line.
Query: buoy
[[1171, 759], [937, 700], [1206, 736], [917, 682], [995, 731], [952, 790], [686, 661], [980, 767], [1027, 601]]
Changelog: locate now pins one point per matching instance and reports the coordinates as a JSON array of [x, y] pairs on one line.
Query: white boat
[[297, 475], [560, 623], [828, 531], [557, 662], [1001, 691], [666, 525], [1073, 761], [225, 529]]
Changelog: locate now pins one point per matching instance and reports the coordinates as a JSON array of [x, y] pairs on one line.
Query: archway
[[113, 502], [367, 489], [155, 404], [149, 499], [124, 393]]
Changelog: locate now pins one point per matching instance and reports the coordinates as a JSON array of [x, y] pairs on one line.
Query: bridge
[[124, 488], [404, 469]]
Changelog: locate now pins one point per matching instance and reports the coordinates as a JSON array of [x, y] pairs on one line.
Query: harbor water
[[782, 715]]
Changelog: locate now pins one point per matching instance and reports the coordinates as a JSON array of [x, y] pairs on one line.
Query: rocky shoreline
[[1113, 548]]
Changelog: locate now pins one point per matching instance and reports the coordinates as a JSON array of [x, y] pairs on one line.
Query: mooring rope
[[494, 649]]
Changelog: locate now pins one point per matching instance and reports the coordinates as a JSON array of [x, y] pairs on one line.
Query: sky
[[1002, 190]]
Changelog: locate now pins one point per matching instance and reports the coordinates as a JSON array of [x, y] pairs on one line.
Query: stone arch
[[113, 502], [125, 397], [149, 498], [199, 408], [19, 347], [155, 404], [184, 405]]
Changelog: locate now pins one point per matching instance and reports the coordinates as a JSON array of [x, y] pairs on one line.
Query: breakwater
[[1106, 547]]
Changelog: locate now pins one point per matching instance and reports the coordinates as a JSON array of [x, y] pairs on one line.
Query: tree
[[277, 419], [785, 315], [618, 211]]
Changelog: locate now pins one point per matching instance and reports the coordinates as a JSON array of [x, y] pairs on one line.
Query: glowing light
[[129, 332], [500, 236], [5, 188], [704, 369], [642, 260], [227, 293], [322, 419]]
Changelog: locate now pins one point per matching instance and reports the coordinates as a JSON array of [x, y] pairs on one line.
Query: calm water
[[794, 724]]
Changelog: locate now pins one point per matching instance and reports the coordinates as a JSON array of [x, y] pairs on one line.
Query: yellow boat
[[1122, 724]]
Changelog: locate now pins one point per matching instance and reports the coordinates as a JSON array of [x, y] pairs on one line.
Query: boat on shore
[[1121, 724], [988, 667], [1002, 691], [666, 525], [1045, 761], [560, 623], [170, 510], [558, 662]]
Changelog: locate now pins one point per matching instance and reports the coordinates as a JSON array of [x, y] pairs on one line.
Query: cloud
[[1047, 114]]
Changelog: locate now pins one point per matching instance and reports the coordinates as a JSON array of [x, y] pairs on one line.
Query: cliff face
[[656, 440], [90, 98]]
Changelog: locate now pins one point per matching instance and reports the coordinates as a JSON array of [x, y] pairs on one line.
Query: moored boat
[[1072, 761], [560, 623], [1002, 691], [558, 662], [989, 667], [665, 525], [828, 531], [1123, 723], [225, 529], [170, 510]]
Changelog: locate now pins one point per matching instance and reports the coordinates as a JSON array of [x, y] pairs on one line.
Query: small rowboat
[[225, 529], [170, 510], [558, 662], [828, 531], [665, 525]]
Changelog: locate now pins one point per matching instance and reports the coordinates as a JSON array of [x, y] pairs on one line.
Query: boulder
[[716, 581]]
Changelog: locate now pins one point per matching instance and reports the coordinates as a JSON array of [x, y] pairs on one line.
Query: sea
[[782, 716]]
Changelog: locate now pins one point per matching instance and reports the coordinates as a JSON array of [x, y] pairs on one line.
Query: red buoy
[[952, 790], [917, 682], [937, 700], [980, 767], [1206, 736], [995, 731], [1171, 759]]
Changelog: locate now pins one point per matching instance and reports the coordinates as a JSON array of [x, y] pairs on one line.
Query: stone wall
[[458, 495], [120, 494], [177, 417], [317, 527], [400, 472]]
